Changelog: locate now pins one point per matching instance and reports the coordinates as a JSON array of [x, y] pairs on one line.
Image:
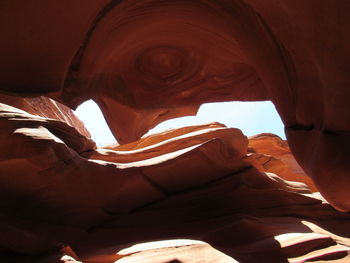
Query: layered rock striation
[[147, 61], [194, 194]]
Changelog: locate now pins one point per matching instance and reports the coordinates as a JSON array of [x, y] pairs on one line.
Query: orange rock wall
[[145, 61], [274, 155], [64, 201], [150, 60]]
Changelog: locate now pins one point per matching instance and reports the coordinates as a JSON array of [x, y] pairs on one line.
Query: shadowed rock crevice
[[145, 61]]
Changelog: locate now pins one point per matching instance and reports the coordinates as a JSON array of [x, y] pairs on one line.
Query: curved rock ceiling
[[153, 60], [147, 61]]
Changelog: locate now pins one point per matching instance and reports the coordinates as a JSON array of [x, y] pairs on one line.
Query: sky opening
[[251, 117]]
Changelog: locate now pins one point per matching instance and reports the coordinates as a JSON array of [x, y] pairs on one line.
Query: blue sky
[[251, 117]]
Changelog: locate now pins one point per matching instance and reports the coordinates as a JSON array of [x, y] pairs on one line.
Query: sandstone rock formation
[[48, 108], [274, 155], [188, 195], [145, 61]]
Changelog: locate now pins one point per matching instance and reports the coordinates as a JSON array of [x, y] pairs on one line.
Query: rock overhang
[[147, 61]]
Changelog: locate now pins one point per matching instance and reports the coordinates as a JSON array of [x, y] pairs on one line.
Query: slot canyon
[[197, 194]]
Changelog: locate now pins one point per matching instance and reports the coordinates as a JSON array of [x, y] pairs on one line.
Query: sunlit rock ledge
[[196, 194]]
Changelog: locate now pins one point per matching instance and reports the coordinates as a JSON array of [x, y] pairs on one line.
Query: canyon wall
[[195, 194], [147, 61]]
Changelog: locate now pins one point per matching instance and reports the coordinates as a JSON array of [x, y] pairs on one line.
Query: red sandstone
[[145, 61]]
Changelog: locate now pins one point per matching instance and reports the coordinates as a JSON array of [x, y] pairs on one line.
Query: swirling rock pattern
[[145, 61], [48, 108], [195, 192]]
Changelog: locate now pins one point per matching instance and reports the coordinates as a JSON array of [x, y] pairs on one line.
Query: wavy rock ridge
[[195, 192], [145, 61]]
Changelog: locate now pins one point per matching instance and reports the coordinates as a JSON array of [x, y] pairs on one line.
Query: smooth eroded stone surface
[[186, 195], [274, 156], [145, 61], [48, 108]]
